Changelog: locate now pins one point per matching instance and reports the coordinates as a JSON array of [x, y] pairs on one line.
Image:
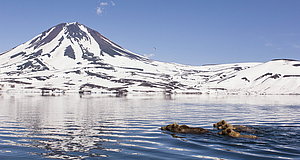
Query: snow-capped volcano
[[65, 46], [71, 57]]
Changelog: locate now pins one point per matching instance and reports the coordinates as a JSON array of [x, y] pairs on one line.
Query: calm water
[[70, 127]]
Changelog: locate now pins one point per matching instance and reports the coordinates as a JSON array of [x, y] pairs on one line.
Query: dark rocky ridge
[[41, 40]]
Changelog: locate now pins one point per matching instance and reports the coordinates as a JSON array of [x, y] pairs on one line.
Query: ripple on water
[[130, 129]]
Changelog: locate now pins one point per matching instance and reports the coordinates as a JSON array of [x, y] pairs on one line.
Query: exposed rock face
[[70, 52]]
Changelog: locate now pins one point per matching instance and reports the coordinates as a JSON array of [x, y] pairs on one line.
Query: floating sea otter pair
[[233, 130], [227, 129]]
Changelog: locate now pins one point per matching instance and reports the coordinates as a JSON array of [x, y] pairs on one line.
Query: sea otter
[[184, 129], [239, 128], [230, 132]]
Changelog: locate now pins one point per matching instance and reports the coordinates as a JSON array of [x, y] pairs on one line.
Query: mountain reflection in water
[[70, 127]]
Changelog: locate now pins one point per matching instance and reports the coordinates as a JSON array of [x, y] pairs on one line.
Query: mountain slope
[[273, 77], [71, 43], [71, 57]]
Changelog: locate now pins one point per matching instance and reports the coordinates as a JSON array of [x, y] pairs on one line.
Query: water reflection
[[59, 127], [73, 127]]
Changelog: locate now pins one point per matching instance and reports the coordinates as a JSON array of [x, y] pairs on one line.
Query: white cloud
[[99, 10], [112, 3], [103, 4]]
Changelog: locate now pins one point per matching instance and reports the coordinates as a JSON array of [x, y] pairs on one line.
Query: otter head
[[216, 125], [170, 127], [227, 125]]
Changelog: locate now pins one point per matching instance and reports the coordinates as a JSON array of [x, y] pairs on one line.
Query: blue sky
[[192, 32]]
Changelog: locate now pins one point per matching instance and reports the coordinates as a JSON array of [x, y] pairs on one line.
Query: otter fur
[[239, 128], [230, 132], [183, 129]]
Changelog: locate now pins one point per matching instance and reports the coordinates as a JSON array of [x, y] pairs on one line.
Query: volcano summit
[[71, 57]]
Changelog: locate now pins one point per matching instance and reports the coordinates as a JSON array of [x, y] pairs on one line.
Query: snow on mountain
[[71, 57], [280, 76]]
